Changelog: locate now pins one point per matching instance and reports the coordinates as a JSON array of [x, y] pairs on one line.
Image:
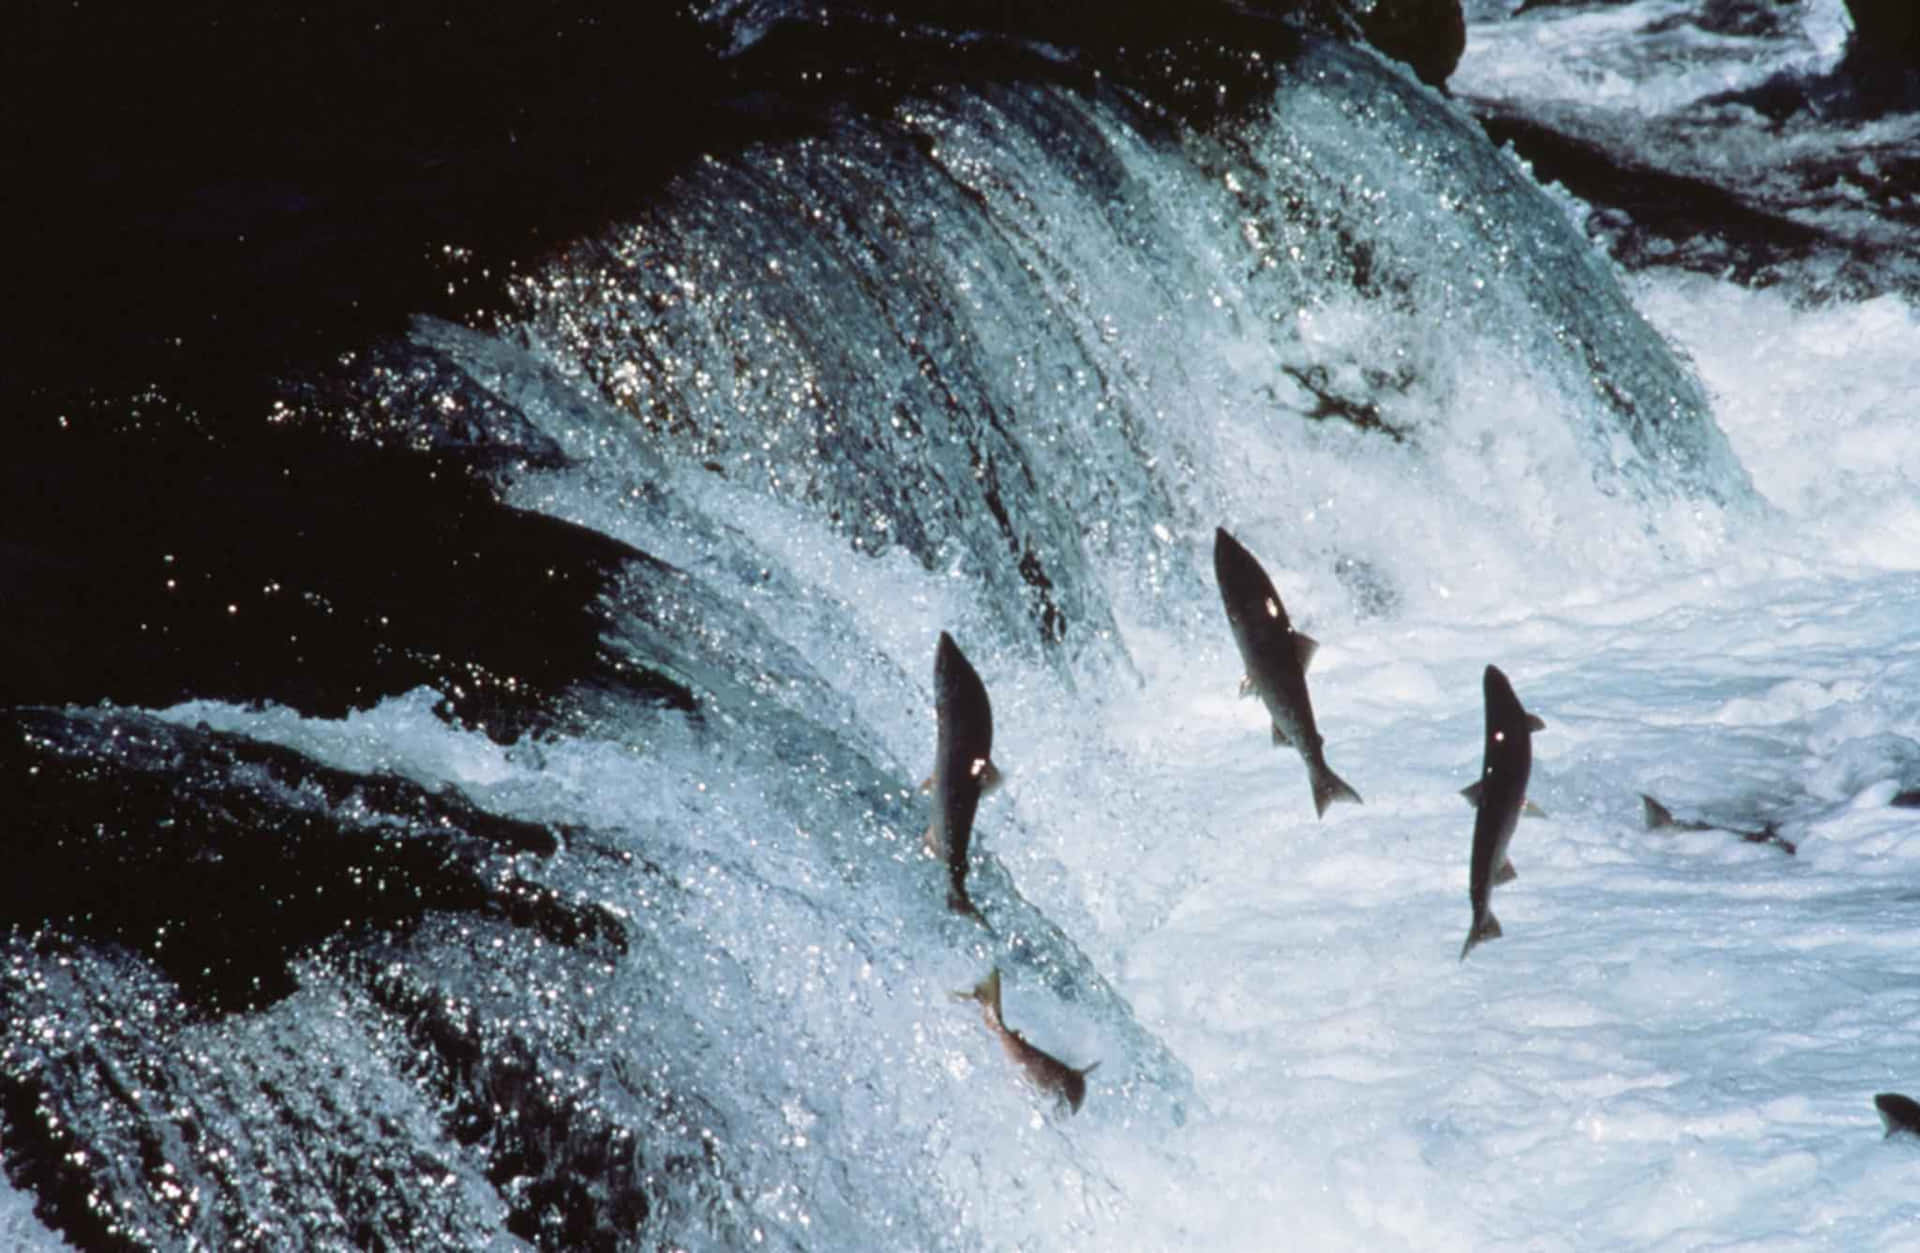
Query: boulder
[[1427, 35], [1886, 30]]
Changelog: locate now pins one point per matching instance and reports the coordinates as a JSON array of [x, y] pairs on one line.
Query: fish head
[[1509, 725], [1502, 705], [1245, 588], [964, 710]]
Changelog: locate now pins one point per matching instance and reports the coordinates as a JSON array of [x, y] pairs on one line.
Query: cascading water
[[660, 963]]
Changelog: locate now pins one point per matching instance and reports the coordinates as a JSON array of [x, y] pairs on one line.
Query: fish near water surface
[[1048, 1073], [963, 769], [1276, 658], [1505, 765], [1659, 818]]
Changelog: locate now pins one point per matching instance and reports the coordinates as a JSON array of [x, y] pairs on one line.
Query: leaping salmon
[[1504, 766], [1048, 1073], [963, 769], [1276, 658], [1659, 817]]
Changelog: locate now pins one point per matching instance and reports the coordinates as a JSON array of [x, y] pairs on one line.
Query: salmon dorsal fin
[[1304, 647], [1536, 723], [1656, 814]]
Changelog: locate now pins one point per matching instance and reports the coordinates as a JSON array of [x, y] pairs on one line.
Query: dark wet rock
[[137, 1129], [1663, 214], [1528, 6], [220, 860], [219, 196], [241, 1003], [577, 1174], [393, 1102], [1742, 19], [1749, 19], [151, 559], [1428, 35], [1881, 70], [1885, 30], [1828, 224]]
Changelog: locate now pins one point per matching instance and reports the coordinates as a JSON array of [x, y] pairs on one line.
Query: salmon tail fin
[[1074, 1089], [1329, 787], [1486, 927]]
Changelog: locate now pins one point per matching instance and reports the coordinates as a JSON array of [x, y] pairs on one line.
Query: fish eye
[[978, 767], [1273, 610], [1499, 737]]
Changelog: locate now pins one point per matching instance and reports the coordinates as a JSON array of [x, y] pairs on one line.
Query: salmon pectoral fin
[[1506, 873], [991, 777], [1280, 739], [1474, 791], [1304, 647]]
